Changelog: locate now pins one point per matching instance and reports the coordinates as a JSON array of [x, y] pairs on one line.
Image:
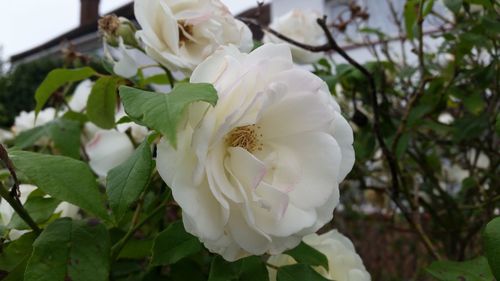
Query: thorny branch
[[332, 45], [12, 197]]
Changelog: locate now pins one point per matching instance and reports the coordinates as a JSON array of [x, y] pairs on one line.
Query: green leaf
[[29, 137], [485, 3], [454, 5], [66, 136], [39, 208], [128, 180], [497, 124], [491, 241], [16, 251], [160, 79], [101, 104], [17, 273], [298, 272], [473, 270], [163, 112], [428, 5], [410, 17], [57, 78], [173, 244], [70, 250], [306, 254], [64, 132], [63, 178], [474, 103], [137, 249], [246, 269]]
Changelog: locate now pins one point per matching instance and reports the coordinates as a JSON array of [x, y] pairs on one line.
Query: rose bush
[[261, 169]]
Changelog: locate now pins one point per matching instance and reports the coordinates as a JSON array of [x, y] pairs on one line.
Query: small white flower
[[260, 170], [80, 96], [181, 34], [344, 264], [26, 120], [302, 27]]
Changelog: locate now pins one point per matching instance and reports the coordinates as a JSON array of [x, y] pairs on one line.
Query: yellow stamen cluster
[[183, 29], [246, 137]]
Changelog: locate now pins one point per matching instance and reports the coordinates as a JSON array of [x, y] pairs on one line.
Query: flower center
[[246, 137], [185, 31]]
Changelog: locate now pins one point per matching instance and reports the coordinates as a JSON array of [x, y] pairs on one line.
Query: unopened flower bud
[[112, 27]]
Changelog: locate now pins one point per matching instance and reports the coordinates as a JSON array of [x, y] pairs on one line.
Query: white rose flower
[[106, 149], [181, 34], [302, 27], [26, 120], [80, 96], [344, 264], [260, 170], [6, 211]]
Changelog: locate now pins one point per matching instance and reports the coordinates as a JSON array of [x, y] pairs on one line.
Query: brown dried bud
[[113, 27]]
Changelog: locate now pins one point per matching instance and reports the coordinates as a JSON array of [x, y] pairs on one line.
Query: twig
[[135, 225], [4, 157]]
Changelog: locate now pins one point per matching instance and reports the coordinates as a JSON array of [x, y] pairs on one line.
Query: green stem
[[134, 226], [16, 205]]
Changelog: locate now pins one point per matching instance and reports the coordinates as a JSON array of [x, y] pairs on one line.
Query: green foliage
[[491, 238], [101, 104], [306, 254], [56, 79], [246, 269], [163, 112], [298, 272], [63, 178], [173, 244], [70, 250], [39, 208], [473, 270], [128, 180], [18, 86], [17, 252], [65, 134]]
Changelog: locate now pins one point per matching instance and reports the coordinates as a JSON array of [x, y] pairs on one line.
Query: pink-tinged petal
[[108, 149]]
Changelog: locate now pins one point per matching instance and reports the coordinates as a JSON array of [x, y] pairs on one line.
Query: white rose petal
[[343, 261], [261, 169], [26, 120], [80, 96], [181, 34], [108, 149], [302, 27]]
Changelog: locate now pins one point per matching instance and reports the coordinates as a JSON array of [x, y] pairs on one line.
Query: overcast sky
[[27, 23]]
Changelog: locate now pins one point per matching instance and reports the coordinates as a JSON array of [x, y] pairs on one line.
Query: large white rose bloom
[[64, 209], [261, 169], [302, 27], [181, 34], [344, 264]]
